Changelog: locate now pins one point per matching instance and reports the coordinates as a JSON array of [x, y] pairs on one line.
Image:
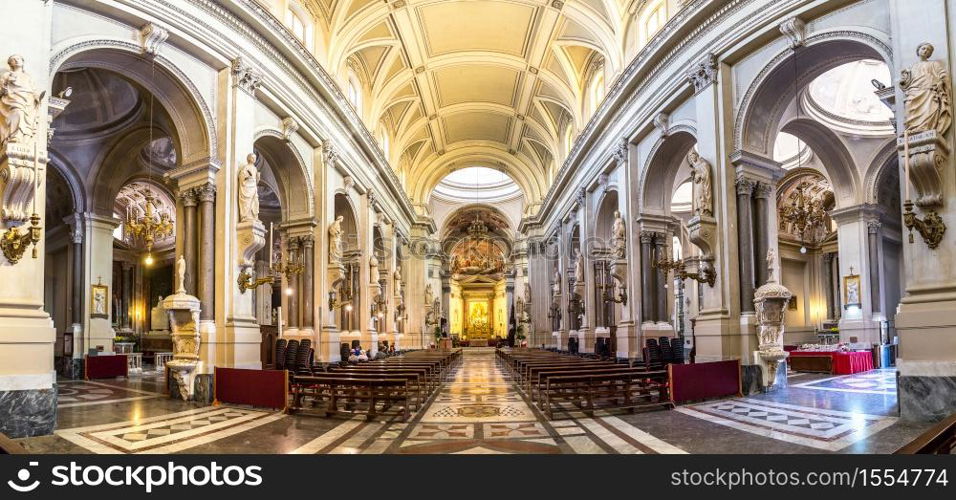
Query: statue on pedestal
[[19, 103], [181, 275], [397, 278], [429, 295], [928, 101], [249, 190], [579, 268], [703, 195]]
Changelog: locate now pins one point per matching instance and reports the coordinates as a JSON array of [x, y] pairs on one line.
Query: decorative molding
[[662, 122]]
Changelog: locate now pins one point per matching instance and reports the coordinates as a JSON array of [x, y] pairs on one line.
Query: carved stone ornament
[[928, 155], [245, 76], [151, 37], [17, 177], [251, 236], [770, 301], [704, 73], [795, 30], [662, 122], [289, 128], [182, 311]]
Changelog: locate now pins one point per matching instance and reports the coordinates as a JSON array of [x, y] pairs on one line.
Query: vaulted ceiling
[[457, 83]]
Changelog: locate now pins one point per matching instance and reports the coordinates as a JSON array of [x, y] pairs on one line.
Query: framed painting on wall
[[100, 301], [851, 291]]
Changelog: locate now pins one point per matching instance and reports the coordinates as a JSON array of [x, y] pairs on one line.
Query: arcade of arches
[[190, 184]]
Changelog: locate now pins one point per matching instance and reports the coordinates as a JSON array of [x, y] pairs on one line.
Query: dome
[[486, 184], [844, 98]]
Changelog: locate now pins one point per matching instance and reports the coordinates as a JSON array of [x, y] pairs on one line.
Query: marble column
[[647, 283], [660, 306], [206, 282], [78, 282], [189, 200], [828, 284], [835, 287], [127, 295], [873, 247], [762, 230], [308, 281], [745, 189], [293, 284]]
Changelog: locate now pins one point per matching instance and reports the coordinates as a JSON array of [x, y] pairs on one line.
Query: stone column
[[874, 241], [745, 236], [647, 281], [308, 282], [206, 277], [78, 282], [835, 287], [189, 200], [762, 194], [660, 308], [127, 294], [828, 284], [292, 247]]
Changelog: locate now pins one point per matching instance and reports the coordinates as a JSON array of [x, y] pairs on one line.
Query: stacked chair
[[279, 360]]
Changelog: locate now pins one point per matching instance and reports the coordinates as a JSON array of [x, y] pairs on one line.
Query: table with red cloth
[[843, 363]]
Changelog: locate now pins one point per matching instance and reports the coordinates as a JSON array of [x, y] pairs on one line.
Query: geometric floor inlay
[[168, 433], [85, 393], [872, 382], [830, 430]]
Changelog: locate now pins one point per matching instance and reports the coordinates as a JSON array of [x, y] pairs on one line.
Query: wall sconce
[[335, 303], [13, 243], [931, 227], [247, 281], [706, 274]]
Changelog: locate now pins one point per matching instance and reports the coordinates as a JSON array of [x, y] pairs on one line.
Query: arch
[[666, 158], [67, 171], [431, 170], [192, 118], [763, 105], [885, 159], [834, 155], [604, 221], [290, 172]]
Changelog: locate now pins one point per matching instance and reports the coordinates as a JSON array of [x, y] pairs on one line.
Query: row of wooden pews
[[374, 387], [561, 383]]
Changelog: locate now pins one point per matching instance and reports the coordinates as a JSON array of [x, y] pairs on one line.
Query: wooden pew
[[591, 391], [355, 392]]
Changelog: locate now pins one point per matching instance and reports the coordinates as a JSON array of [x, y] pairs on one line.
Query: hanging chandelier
[[805, 214], [477, 229], [149, 227]]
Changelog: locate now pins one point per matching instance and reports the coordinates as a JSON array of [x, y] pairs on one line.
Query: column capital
[[293, 243], [703, 73], [763, 190], [874, 226], [647, 236], [188, 197], [206, 193], [307, 240], [745, 185], [245, 77]]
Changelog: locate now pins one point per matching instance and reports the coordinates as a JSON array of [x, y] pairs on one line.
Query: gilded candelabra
[[607, 294], [13, 243], [149, 227], [706, 274]]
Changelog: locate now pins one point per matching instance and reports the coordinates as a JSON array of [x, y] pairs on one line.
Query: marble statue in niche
[[579, 267], [619, 235], [928, 101], [556, 284], [397, 278], [372, 269], [19, 103], [249, 190], [335, 240], [429, 295], [703, 194]]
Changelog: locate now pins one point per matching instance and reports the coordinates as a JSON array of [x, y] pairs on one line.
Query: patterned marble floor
[[479, 410]]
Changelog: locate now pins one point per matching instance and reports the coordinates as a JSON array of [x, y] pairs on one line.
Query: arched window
[[596, 90], [568, 139], [385, 142], [353, 92], [654, 20], [296, 20]]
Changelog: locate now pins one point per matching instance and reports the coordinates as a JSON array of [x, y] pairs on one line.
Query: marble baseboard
[[926, 399], [203, 390], [751, 379], [28, 413]]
